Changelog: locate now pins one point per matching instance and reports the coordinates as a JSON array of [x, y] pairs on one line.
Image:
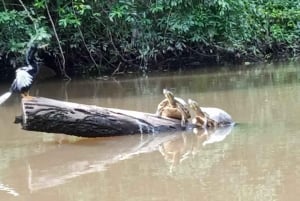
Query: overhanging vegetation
[[94, 37]]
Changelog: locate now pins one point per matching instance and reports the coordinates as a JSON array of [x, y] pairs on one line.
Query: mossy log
[[54, 116]]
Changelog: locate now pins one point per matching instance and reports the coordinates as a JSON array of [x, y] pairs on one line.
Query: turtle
[[209, 117], [173, 107]]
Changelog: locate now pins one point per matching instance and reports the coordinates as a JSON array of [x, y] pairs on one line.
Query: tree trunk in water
[[53, 116]]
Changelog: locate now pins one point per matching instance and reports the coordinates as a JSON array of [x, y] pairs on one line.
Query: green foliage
[[12, 23], [102, 34], [17, 30], [284, 20]]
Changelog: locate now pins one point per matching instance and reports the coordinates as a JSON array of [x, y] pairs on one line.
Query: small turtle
[[209, 117], [173, 107]]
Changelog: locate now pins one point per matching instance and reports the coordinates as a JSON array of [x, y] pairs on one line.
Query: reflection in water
[[46, 170], [188, 145], [8, 189], [56, 167], [213, 134], [258, 160], [176, 150]]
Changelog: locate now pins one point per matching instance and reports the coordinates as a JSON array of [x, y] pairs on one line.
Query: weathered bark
[[53, 116]]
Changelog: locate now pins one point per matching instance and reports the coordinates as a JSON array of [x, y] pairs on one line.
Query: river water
[[257, 160]]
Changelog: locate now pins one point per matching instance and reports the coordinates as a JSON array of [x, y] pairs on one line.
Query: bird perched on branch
[[25, 76]]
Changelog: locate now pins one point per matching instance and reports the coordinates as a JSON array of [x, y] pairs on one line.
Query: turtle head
[[193, 104], [200, 118], [169, 95]]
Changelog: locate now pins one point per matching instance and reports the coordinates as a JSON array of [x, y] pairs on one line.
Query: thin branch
[[31, 18], [167, 24], [116, 71], [4, 5], [119, 54], [63, 66], [103, 57], [83, 39], [25, 8], [199, 53]]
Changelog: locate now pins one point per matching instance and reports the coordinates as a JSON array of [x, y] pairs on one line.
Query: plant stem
[[63, 65], [4, 6]]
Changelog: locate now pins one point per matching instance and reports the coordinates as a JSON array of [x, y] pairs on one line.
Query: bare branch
[[4, 5], [63, 66]]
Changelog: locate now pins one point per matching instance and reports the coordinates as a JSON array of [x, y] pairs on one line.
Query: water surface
[[257, 160]]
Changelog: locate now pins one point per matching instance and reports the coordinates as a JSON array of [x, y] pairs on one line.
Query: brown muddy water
[[257, 160]]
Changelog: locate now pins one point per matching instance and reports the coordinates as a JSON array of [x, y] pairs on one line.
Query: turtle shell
[[181, 101], [218, 115], [183, 105]]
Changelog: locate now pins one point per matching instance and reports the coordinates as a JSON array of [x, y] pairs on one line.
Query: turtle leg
[[158, 112], [183, 118], [161, 107], [212, 124], [183, 122], [200, 121]]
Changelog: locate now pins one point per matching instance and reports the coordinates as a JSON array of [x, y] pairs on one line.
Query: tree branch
[[63, 66], [4, 5]]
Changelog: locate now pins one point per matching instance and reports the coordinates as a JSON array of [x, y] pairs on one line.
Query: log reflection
[[77, 158], [85, 156], [8, 190]]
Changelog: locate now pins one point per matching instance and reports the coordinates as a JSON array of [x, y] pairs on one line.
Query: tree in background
[[92, 37]]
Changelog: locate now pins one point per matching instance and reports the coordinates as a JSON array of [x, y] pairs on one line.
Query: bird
[[25, 76]]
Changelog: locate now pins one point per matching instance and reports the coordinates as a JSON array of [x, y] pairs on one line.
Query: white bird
[[25, 76]]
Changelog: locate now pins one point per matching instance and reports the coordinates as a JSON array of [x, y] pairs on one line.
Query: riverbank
[[192, 58], [91, 38]]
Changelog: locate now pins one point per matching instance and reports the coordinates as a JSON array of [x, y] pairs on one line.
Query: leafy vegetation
[[97, 36]]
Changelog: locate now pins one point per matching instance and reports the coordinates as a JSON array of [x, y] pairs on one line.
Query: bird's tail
[[5, 96]]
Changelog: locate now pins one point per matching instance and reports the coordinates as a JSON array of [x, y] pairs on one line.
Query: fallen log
[[53, 116]]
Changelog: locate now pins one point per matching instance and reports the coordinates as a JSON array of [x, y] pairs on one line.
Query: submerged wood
[[54, 116]]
